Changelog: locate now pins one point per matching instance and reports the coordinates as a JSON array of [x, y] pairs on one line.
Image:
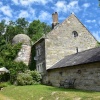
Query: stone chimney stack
[[55, 19]]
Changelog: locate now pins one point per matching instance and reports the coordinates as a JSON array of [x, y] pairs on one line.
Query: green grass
[[42, 92]]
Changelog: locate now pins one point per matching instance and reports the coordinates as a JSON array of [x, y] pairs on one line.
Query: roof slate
[[87, 56]]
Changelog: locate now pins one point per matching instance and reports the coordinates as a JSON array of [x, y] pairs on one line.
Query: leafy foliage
[[36, 29], [28, 78], [2, 27], [98, 44], [32, 62], [8, 52], [24, 79], [15, 68]]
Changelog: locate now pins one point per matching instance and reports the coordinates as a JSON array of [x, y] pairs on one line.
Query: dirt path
[[2, 97]]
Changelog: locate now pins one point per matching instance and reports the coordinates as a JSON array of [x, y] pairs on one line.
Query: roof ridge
[[83, 51]]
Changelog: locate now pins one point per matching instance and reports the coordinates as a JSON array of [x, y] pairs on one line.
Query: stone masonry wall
[[41, 57], [24, 54], [86, 77], [61, 42]]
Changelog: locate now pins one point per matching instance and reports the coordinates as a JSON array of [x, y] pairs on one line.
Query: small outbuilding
[[3, 70], [80, 71]]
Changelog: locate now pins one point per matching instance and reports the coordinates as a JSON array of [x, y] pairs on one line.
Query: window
[[75, 34], [40, 67], [38, 52]]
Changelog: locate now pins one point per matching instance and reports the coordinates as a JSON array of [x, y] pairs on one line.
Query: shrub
[[15, 68], [24, 79], [4, 77], [36, 76], [28, 78]]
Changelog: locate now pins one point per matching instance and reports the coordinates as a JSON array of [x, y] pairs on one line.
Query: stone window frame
[[39, 67], [75, 33], [38, 52]]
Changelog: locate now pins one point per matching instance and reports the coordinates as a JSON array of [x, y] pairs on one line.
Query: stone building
[[80, 71], [25, 52], [67, 38]]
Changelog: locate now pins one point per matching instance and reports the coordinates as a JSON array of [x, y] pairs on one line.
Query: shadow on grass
[[51, 88]]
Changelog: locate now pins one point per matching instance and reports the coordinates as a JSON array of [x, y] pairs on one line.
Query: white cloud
[[96, 35], [30, 13], [6, 10], [63, 6], [42, 1], [23, 14], [86, 5], [91, 21], [73, 6], [25, 2], [29, 2], [15, 2], [45, 16]]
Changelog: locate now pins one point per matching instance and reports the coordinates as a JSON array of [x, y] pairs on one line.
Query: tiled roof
[[88, 56]]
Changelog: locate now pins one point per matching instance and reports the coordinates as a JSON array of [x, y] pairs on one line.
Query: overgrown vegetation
[[8, 52], [98, 44], [34, 30], [28, 78]]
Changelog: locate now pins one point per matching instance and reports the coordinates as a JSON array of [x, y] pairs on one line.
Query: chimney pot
[[55, 19]]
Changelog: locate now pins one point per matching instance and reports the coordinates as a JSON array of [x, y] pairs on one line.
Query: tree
[[8, 52], [21, 26], [10, 32], [99, 3], [13, 28], [37, 29], [2, 27]]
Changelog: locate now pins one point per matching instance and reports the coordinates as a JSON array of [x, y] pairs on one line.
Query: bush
[[36, 76], [15, 68], [28, 78], [4, 77], [24, 79]]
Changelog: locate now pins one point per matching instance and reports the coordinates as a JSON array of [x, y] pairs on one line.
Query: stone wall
[[40, 62], [61, 42], [86, 77], [24, 54]]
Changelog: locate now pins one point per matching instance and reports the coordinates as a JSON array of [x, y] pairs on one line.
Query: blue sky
[[87, 11]]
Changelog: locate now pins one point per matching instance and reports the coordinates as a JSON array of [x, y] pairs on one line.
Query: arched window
[[75, 34]]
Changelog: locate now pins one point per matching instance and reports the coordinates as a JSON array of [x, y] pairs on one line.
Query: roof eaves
[[71, 65], [77, 63], [39, 40]]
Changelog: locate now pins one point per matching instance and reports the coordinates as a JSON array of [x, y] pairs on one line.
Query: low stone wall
[[86, 77]]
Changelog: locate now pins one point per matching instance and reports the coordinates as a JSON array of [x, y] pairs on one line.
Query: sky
[[87, 11]]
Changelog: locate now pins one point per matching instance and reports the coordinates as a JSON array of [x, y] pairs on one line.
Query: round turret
[[21, 38]]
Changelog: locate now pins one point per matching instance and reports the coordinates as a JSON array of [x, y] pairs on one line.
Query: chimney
[[55, 19], [76, 49]]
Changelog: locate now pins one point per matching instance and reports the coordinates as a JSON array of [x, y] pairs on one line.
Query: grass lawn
[[42, 92]]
